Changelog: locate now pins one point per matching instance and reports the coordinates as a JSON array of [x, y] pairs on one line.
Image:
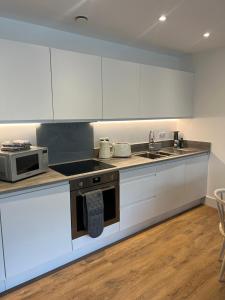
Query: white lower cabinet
[[2, 266], [149, 192], [137, 185], [136, 213], [137, 195], [170, 186], [36, 228], [196, 177]]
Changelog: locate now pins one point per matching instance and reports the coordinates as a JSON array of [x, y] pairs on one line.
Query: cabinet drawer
[[131, 174], [137, 213], [137, 189]]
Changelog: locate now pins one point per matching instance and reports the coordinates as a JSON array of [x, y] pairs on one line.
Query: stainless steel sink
[[156, 155], [165, 153], [178, 151]]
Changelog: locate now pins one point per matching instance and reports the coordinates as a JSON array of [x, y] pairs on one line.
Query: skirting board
[[210, 201]]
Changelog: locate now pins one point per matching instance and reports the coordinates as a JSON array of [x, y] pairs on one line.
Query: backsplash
[[134, 131], [66, 141], [18, 131], [71, 141]]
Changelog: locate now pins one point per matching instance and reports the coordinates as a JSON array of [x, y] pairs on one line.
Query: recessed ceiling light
[[162, 18], [81, 19], [206, 35]]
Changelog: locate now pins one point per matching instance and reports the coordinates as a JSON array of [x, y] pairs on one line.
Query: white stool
[[220, 200]]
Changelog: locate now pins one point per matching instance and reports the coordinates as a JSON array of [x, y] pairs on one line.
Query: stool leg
[[221, 256], [222, 271]]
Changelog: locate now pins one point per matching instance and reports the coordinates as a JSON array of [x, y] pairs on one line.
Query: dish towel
[[93, 207]]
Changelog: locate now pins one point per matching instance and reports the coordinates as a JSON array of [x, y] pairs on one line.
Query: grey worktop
[[52, 176]]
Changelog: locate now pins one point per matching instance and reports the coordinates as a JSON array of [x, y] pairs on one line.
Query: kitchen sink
[[177, 151], [154, 155], [165, 153]]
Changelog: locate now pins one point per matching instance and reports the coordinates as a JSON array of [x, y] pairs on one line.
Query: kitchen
[[111, 149]]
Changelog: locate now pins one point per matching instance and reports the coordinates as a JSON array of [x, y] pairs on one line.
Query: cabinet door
[[165, 92], [196, 171], [36, 228], [25, 82], [170, 186], [120, 89], [77, 90], [2, 269]]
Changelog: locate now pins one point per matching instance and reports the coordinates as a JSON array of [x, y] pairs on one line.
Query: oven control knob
[[81, 184]]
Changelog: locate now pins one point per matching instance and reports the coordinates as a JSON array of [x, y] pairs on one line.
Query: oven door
[[111, 207]]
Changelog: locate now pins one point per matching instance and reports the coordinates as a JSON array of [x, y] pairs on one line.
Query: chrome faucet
[[151, 140]]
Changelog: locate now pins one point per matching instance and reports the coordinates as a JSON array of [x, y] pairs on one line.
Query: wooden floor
[[174, 260]]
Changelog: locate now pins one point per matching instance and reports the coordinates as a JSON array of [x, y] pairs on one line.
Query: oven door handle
[[103, 190]]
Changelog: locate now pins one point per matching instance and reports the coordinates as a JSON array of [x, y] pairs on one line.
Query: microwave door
[[25, 165]]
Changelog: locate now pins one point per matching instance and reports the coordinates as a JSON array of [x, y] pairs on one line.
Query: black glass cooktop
[[80, 167]]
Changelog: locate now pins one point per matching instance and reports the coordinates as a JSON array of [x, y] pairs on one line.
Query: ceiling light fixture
[[81, 19], [162, 18], [206, 35]]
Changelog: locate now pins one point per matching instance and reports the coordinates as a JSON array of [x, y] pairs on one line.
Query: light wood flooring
[[177, 259]]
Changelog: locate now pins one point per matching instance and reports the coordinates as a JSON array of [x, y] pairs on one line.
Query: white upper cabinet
[[77, 89], [37, 86], [165, 93], [25, 82], [120, 89]]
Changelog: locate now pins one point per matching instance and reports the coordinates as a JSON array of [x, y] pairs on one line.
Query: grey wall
[[26, 32], [66, 141]]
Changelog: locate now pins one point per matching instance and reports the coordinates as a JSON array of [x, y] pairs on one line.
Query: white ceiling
[[133, 22]]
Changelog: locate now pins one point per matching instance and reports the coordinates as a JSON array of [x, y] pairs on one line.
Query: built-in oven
[[108, 183]]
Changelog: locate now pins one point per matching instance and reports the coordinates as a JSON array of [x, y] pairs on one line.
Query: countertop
[[52, 176], [135, 160]]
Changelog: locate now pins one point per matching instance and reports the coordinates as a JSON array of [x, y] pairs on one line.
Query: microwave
[[19, 165]]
